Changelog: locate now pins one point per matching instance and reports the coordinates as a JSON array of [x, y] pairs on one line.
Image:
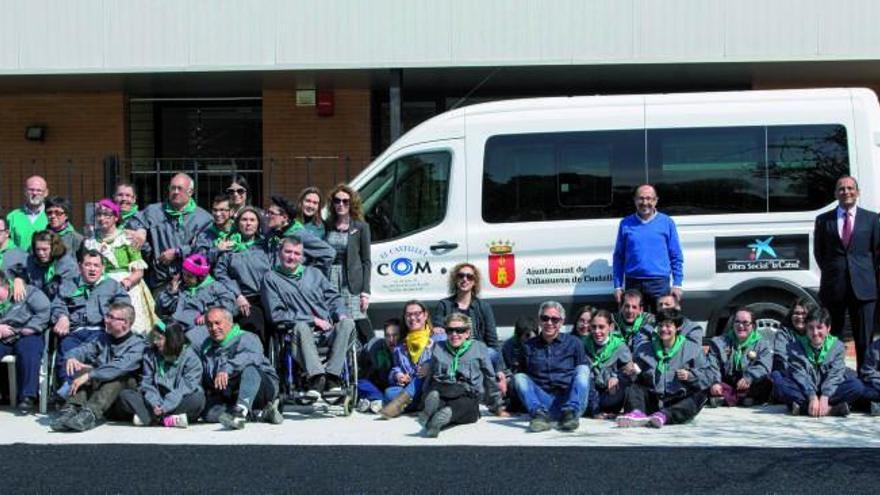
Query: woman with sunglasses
[[459, 375], [122, 262], [238, 192], [309, 214], [410, 361], [349, 236]]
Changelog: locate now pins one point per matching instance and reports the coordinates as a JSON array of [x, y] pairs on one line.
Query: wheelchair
[[294, 381]]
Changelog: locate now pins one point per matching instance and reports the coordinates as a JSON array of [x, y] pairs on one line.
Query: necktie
[[846, 234]]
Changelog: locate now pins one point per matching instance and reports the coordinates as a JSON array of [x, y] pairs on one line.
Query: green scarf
[[5, 305], [740, 347], [664, 355], [297, 273], [816, 357], [383, 359], [234, 332], [50, 273], [128, 214], [180, 214], [238, 245], [456, 356], [66, 230], [630, 330], [599, 360], [204, 283], [86, 289], [222, 235]]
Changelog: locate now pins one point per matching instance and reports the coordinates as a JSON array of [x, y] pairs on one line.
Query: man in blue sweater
[[647, 251]]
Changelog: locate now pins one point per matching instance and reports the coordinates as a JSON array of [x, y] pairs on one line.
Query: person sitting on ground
[[79, 309], [410, 361], [524, 329], [582, 318], [612, 366], [870, 373], [739, 364], [58, 213], [242, 268], [459, 375], [123, 263], [282, 222], [46, 267], [555, 382], [816, 382], [301, 300], [794, 326], [170, 392], [102, 368], [631, 321], [239, 381], [691, 330], [374, 366], [215, 240], [673, 378], [21, 334], [187, 304]]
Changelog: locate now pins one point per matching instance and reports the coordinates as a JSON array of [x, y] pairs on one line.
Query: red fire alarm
[[325, 102]]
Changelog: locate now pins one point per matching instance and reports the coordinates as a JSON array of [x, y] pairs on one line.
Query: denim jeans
[[787, 391], [574, 399], [368, 390], [651, 289], [604, 401]]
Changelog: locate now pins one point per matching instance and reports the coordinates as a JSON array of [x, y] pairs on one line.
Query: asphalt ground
[[346, 469]]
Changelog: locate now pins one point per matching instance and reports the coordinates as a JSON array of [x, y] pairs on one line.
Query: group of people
[[165, 316]]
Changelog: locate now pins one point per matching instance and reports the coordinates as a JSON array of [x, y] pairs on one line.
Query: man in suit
[[847, 246]]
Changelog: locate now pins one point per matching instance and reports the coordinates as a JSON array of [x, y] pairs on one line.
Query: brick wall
[[291, 133], [81, 129]]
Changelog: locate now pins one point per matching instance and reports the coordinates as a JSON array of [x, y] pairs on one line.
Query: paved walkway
[[766, 426]]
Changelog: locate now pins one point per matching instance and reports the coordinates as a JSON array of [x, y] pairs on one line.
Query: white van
[[531, 191]]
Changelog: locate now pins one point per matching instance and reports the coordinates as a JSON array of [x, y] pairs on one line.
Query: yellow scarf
[[416, 342]]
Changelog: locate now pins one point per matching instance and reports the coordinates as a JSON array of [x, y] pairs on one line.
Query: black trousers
[[100, 397], [364, 329], [639, 397], [465, 409], [861, 318], [132, 402], [255, 322]]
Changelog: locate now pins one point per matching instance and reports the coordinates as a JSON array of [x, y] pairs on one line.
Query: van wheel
[[769, 317]]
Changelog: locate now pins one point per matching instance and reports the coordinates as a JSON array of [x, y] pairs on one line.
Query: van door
[[550, 187], [415, 206]]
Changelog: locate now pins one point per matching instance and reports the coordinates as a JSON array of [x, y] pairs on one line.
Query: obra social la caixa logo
[[502, 267]]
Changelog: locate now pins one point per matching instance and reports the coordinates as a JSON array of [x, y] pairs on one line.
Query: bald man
[[31, 217]]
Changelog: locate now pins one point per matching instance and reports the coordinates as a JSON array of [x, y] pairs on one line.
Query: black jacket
[[852, 267]]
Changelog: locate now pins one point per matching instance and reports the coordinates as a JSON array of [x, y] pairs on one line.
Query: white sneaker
[[363, 405], [176, 421], [375, 406], [136, 420]]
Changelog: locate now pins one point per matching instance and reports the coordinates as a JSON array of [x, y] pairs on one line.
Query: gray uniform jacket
[[781, 340], [184, 306], [317, 252], [83, 311], [243, 272], [12, 257], [112, 358], [474, 371], [72, 240], [613, 368], [165, 232], [665, 384], [34, 273], [32, 313], [817, 380], [289, 300], [232, 358], [754, 369], [205, 243], [692, 331], [870, 370], [165, 384]]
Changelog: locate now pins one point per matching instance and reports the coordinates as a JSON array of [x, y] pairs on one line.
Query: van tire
[[769, 315]]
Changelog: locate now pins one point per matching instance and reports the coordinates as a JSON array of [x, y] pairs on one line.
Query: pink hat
[[110, 205], [197, 264]]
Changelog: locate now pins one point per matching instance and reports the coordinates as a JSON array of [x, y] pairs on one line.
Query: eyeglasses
[[275, 213], [458, 330], [551, 319], [104, 214], [55, 213], [465, 276], [236, 190], [414, 314], [341, 201], [740, 323]]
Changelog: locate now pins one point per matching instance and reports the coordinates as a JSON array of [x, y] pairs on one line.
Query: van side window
[[561, 176], [408, 195], [804, 162]]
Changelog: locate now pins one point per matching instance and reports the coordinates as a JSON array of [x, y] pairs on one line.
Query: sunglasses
[[458, 330], [340, 201], [234, 190], [552, 319], [465, 276]]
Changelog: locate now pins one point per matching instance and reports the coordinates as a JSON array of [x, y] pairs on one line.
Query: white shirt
[[852, 219]]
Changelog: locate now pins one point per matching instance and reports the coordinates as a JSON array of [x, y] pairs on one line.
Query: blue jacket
[[552, 365], [647, 250]]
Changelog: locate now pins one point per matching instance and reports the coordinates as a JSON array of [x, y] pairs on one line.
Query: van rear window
[[697, 171]]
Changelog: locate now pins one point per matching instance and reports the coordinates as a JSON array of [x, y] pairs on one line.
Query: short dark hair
[[670, 314], [803, 302], [636, 189], [240, 180], [524, 325], [820, 316], [83, 252], [219, 198], [58, 202], [392, 322], [633, 293]]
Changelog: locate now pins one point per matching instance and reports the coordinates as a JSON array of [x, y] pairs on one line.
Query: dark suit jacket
[[357, 259], [854, 267]]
